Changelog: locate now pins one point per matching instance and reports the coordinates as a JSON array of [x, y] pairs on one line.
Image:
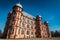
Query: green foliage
[[55, 34]]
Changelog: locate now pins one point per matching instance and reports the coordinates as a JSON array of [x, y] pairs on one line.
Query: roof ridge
[[28, 15]]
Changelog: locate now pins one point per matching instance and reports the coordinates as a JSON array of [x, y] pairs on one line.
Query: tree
[[52, 33], [55, 34], [0, 33]]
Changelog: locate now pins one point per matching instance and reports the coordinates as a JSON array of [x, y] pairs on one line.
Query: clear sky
[[48, 9]]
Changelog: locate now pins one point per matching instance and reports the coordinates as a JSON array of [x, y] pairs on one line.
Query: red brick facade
[[20, 25]]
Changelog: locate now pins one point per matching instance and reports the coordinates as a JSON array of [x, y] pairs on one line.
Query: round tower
[[46, 23], [47, 27], [17, 7], [39, 19], [15, 21], [38, 25]]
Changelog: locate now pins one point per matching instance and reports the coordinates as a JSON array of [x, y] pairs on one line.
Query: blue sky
[[48, 9]]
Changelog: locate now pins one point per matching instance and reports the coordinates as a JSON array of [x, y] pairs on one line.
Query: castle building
[[20, 24]]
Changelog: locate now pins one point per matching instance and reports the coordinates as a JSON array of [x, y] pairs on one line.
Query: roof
[[28, 15], [18, 5]]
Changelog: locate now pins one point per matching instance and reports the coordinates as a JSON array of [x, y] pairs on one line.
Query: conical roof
[[38, 16]]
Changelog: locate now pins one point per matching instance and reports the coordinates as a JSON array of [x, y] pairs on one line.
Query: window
[[31, 33], [38, 28], [27, 32], [13, 22], [22, 31], [27, 26], [11, 30], [22, 24], [14, 15], [28, 21], [22, 19], [31, 21], [31, 27]]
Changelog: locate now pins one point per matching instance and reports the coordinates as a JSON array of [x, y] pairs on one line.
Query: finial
[[18, 4]]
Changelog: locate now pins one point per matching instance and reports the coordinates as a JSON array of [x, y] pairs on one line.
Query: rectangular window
[[22, 31], [11, 30], [13, 22], [31, 27], [31, 33], [28, 21], [27, 26], [22, 24], [27, 32]]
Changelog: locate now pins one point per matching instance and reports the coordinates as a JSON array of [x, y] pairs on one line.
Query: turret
[[46, 23], [14, 21], [47, 27], [17, 8], [39, 19], [38, 26]]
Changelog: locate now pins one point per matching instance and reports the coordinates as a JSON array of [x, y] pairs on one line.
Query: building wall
[[20, 26]]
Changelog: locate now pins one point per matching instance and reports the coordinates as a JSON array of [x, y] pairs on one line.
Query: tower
[[20, 24], [38, 26], [47, 27], [13, 22]]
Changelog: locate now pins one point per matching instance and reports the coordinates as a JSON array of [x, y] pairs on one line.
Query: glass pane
[[22, 31]]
